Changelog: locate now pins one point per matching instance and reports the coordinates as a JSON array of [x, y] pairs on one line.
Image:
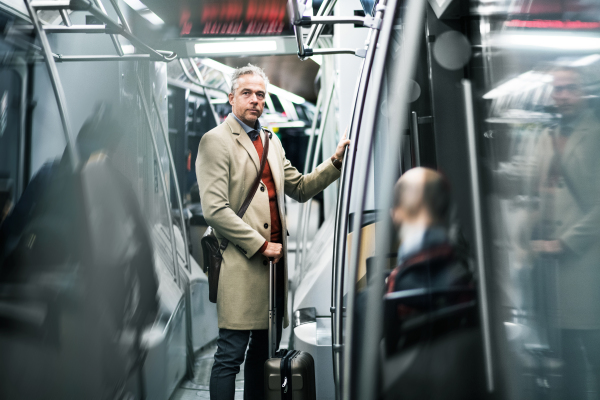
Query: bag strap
[[253, 188]]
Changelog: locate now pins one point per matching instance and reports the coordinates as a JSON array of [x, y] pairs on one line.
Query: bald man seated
[[426, 257]]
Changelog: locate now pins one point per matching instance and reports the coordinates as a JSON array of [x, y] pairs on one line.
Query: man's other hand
[[341, 148], [274, 250]]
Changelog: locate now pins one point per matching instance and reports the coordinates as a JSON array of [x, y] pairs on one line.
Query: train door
[[418, 343], [535, 113]]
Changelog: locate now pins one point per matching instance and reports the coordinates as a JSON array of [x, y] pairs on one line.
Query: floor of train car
[[198, 386]]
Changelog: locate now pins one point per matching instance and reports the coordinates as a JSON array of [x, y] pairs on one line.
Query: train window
[[300, 111], [538, 129], [277, 103], [11, 137]]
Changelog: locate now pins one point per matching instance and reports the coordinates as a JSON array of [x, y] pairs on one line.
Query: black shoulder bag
[[212, 252]]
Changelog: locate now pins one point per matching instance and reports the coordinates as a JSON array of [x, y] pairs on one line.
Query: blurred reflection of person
[[569, 226], [421, 213]]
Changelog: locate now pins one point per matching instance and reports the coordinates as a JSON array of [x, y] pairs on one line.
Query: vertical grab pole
[[297, 29], [477, 221], [162, 181], [174, 172], [307, 205], [307, 161], [414, 125], [56, 86]]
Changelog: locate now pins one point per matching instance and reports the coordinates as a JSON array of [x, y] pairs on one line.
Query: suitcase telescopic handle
[[272, 309]]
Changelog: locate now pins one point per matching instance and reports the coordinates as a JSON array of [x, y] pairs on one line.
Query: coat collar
[[580, 131], [274, 164], [243, 139]]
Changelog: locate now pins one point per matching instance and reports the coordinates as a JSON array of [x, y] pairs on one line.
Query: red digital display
[[221, 18], [552, 24]]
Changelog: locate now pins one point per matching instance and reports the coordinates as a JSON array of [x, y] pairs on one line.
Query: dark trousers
[[231, 349], [580, 348]]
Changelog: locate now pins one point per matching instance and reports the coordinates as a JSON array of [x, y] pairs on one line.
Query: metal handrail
[[112, 27], [307, 161], [56, 86], [342, 226], [176, 271], [113, 37], [478, 225], [307, 206], [414, 129], [308, 21], [315, 30], [165, 132], [87, 5], [205, 86], [196, 81], [121, 16], [297, 29], [401, 80]]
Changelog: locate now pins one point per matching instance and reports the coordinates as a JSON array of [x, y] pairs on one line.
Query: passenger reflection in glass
[[566, 232]]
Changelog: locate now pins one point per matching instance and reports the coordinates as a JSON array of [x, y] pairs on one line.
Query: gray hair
[[247, 70]]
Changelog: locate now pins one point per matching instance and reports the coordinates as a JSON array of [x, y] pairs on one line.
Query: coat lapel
[[273, 160], [581, 131], [243, 140]]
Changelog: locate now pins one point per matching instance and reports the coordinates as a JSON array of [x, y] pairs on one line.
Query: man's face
[[567, 93], [248, 101]]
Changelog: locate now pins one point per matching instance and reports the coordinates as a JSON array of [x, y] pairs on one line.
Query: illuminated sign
[[226, 18], [552, 24]]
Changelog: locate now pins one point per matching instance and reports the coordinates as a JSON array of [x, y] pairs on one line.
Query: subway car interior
[[104, 292]]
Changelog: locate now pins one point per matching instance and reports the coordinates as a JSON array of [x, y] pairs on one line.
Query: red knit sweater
[[267, 178]]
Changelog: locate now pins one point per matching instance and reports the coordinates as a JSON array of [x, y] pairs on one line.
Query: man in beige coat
[[227, 164], [568, 233]]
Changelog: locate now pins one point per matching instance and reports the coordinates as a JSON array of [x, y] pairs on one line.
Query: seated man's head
[[248, 93], [421, 200]]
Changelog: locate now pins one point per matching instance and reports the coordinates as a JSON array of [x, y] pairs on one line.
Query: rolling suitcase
[[289, 374]]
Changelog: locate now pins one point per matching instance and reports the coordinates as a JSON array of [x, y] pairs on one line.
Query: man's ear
[[230, 98]]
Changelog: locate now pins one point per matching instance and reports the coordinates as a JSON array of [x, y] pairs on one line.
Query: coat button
[[265, 262], [262, 188], [266, 226]]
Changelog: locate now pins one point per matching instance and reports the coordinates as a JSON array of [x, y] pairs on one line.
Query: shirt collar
[[254, 133], [420, 241]]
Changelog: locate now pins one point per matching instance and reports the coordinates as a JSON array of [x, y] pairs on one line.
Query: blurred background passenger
[[567, 233], [426, 257], [84, 226]]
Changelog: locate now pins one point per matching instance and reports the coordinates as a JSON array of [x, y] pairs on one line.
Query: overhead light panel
[[548, 41], [236, 47]]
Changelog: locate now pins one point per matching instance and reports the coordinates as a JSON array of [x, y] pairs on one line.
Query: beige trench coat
[[226, 166], [571, 211]]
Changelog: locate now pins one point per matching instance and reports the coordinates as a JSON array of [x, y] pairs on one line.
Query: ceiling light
[[549, 41], [234, 46]]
